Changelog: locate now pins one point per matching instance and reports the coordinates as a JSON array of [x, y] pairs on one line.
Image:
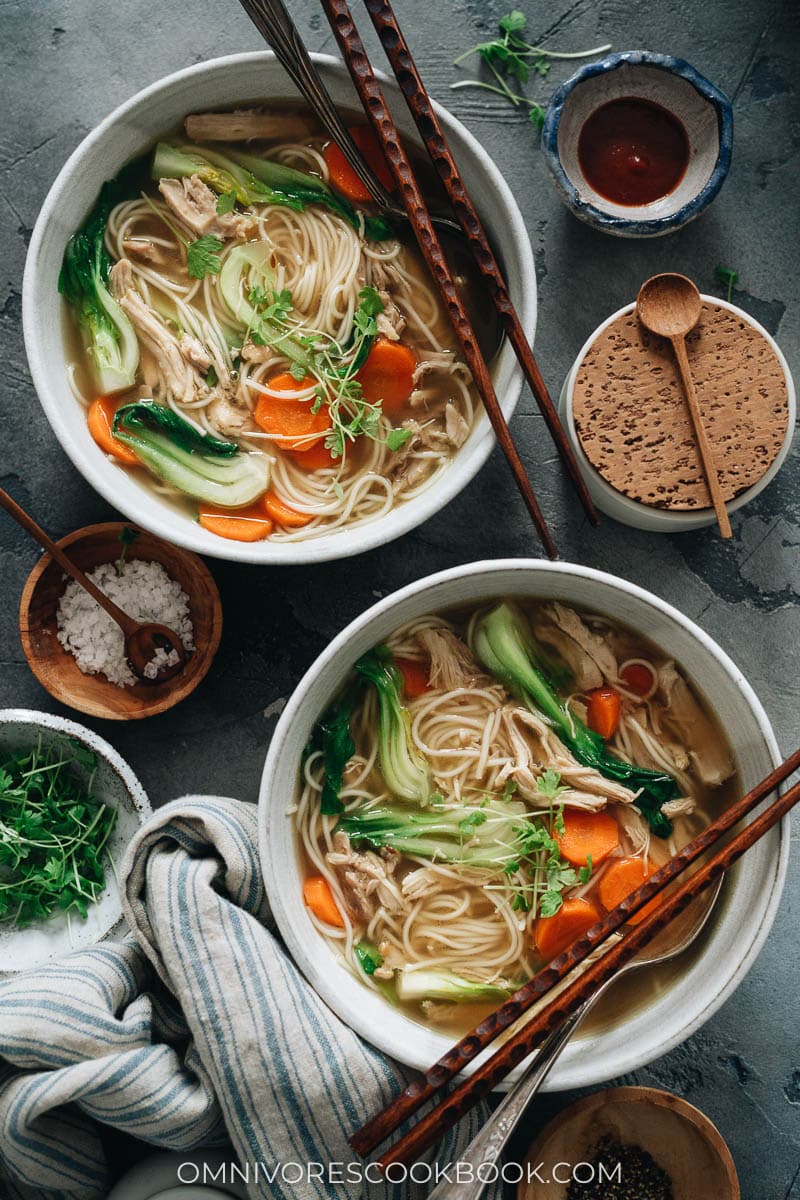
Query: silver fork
[[273, 22], [487, 1146]]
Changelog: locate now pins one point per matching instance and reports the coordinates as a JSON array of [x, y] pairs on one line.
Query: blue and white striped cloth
[[195, 1030]]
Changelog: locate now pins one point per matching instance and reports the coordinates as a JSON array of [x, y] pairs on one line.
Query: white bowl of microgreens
[[69, 806], [206, 455], [367, 690]]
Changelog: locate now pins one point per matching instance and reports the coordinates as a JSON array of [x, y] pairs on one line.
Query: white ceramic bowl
[[644, 516], [749, 900], [116, 785], [128, 132]]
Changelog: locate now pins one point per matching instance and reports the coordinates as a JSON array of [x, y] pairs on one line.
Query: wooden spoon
[[670, 306], [142, 639]]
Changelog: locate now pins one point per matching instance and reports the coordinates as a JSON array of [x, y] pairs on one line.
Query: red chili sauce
[[633, 151]]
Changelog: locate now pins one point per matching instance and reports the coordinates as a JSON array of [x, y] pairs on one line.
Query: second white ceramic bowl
[[129, 132], [644, 516], [748, 903]]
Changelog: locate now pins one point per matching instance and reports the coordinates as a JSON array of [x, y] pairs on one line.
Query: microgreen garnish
[[203, 257], [728, 278], [53, 832], [511, 56], [333, 367], [226, 202], [127, 537]]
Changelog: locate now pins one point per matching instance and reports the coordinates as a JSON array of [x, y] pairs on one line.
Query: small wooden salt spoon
[[142, 639], [670, 306]]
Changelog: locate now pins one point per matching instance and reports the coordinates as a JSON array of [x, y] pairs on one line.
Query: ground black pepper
[[639, 1176]]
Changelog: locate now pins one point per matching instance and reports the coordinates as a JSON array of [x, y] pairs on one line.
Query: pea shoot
[[53, 833]]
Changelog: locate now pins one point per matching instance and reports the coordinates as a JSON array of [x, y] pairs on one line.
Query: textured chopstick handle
[[369, 91], [430, 129], [463, 1052]]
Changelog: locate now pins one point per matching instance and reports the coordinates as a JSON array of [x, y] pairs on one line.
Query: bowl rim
[[341, 543], [613, 222], [392, 1042], [203, 658], [674, 520]]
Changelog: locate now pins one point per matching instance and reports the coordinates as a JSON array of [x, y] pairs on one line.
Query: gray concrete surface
[[66, 63]]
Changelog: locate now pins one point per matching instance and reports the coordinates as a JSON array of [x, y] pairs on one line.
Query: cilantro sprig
[[510, 56], [53, 833]]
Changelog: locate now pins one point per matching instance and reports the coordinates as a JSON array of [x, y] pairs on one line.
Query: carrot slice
[[249, 524], [295, 420], [315, 459], [284, 514], [587, 833], [622, 877], [603, 711], [319, 898], [387, 377], [100, 419], [415, 677], [638, 678], [553, 934], [341, 174]]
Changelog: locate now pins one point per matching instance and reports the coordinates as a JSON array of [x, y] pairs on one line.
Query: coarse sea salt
[[142, 589]]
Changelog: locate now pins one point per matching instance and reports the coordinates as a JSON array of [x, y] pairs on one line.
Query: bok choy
[[437, 983], [197, 464], [404, 770], [254, 180], [504, 644], [83, 282]]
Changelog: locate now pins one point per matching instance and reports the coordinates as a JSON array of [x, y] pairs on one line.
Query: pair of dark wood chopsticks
[[368, 88], [524, 1040]]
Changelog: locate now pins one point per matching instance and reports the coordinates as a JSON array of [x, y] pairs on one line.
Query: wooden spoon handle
[[127, 624], [706, 452]]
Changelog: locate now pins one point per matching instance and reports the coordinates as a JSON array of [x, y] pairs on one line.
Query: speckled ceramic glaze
[[747, 905], [644, 516], [702, 108], [131, 130], [116, 785]]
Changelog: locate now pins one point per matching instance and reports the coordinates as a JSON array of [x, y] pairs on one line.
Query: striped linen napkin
[[195, 1030]]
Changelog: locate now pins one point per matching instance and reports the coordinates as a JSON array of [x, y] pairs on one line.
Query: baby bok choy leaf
[[404, 770], [502, 642], [196, 463], [489, 835], [253, 180], [83, 282], [331, 736], [437, 983]]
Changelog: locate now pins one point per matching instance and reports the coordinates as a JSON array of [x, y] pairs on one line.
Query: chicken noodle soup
[[254, 340], [485, 787]]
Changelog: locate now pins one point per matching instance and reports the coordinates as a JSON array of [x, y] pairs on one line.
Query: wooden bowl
[[681, 1139], [57, 670]]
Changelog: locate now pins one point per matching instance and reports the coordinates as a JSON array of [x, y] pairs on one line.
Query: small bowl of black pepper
[[630, 1143]]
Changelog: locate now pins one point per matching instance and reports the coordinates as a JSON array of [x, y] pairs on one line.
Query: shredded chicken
[[194, 352], [257, 354], [687, 720], [588, 788], [436, 362], [179, 377], [391, 322], [683, 806], [634, 826], [456, 428], [195, 205], [247, 124], [145, 250], [228, 418], [366, 878], [452, 663], [587, 654]]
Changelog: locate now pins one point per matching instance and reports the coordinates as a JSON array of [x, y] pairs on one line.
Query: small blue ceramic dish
[[703, 110]]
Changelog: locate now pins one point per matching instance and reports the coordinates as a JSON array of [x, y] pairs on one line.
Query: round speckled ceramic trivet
[[634, 425]]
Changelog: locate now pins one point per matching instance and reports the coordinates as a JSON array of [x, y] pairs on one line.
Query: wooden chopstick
[[430, 130], [384, 1123], [369, 91], [517, 1048]]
